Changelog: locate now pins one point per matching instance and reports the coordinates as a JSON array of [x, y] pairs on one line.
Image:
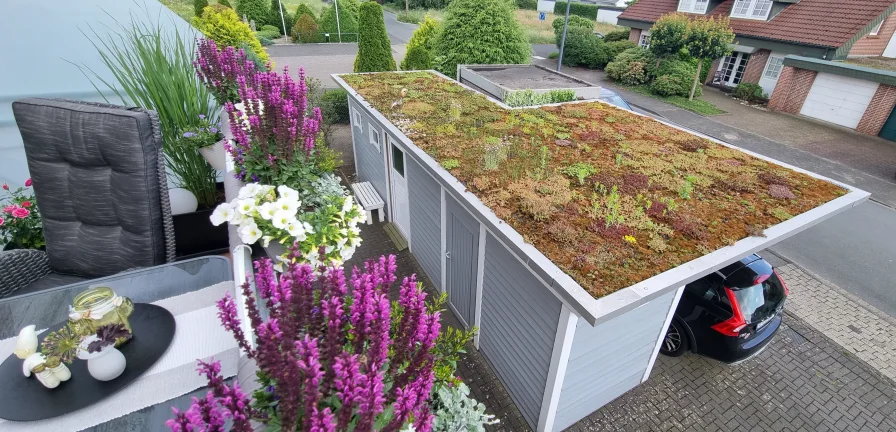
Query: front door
[[462, 261], [732, 68], [401, 214]]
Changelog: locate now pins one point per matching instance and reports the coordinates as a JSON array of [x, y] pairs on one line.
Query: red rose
[[10, 208], [28, 182], [21, 213], [5, 186], [26, 204], [1, 221]]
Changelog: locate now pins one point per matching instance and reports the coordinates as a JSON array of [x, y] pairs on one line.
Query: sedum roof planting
[[611, 197]]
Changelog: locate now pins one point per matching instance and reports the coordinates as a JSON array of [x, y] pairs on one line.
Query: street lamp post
[[563, 39]]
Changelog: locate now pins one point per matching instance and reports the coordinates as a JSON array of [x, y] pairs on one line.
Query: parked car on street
[[730, 315]]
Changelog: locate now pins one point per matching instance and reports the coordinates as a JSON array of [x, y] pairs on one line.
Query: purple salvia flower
[[309, 364], [229, 317], [323, 421]]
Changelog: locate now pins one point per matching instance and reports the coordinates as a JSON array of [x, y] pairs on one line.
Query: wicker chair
[[99, 179]]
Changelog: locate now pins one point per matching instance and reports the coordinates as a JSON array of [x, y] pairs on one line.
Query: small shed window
[[356, 117], [398, 160], [375, 137], [773, 69]]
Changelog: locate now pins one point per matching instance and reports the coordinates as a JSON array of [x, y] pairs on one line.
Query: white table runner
[[199, 335]]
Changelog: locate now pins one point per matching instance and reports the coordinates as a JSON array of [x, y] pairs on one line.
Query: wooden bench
[[369, 200]]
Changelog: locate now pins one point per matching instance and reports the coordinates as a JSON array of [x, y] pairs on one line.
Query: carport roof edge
[[598, 310]]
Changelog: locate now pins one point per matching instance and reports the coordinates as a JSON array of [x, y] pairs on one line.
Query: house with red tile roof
[[768, 30]]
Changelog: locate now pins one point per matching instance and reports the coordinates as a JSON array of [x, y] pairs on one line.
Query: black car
[[729, 315]]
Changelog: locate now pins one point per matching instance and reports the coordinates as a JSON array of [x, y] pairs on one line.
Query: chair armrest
[[20, 267]]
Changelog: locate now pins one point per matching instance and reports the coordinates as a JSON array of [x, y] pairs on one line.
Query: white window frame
[[876, 30], [775, 65], [644, 39], [693, 6], [356, 117], [750, 8], [374, 137]]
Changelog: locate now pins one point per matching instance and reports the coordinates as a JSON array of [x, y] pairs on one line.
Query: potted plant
[[208, 140], [20, 222], [275, 217], [104, 361]]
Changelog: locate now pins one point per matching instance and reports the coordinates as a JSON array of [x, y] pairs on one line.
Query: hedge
[[584, 10], [574, 21], [221, 24], [253, 10], [527, 4], [306, 30]]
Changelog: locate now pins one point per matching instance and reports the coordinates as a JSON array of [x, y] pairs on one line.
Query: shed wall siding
[[596, 374], [424, 195], [519, 324], [369, 162]]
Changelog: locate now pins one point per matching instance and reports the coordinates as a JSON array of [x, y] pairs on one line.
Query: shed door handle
[[448, 254]]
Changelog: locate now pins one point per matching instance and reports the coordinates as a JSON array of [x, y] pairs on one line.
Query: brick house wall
[[634, 35], [792, 89], [878, 110], [874, 45], [712, 71], [756, 66]]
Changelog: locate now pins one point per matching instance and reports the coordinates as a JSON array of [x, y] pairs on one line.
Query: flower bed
[[610, 197]]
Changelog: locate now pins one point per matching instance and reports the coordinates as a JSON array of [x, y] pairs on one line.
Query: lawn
[[612, 198], [698, 106]]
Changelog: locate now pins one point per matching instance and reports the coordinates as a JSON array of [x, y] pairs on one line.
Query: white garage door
[[839, 100]]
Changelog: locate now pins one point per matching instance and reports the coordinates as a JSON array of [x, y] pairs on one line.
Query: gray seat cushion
[[96, 179], [49, 281]]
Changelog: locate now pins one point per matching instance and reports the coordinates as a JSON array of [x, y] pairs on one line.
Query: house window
[[693, 6], [751, 9], [876, 29], [356, 116], [773, 68], [644, 40], [375, 138]]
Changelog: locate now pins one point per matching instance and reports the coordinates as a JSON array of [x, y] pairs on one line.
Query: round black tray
[[26, 399]]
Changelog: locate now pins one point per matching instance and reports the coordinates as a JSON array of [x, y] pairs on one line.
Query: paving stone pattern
[[849, 321]]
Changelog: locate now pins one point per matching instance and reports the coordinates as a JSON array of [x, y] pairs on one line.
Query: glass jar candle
[[100, 306]]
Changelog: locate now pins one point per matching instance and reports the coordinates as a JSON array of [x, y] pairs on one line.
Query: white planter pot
[[214, 154], [108, 365], [182, 201]]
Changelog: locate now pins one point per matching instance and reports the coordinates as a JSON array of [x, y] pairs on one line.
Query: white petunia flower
[[282, 219], [288, 205], [267, 210], [347, 204], [245, 206], [250, 233], [238, 218], [249, 191], [308, 228], [223, 213], [296, 229], [287, 193]]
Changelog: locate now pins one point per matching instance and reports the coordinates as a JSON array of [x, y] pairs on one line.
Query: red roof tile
[[828, 23]]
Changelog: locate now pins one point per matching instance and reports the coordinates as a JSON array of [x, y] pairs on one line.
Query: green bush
[[348, 21], [527, 4], [528, 97], [417, 58], [749, 92], [303, 9], [253, 10], [221, 24], [252, 56], [554, 55], [267, 34], [374, 49], [334, 106], [674, 77], [225, 3], [306, 30], [270, 28], [574, 21], [265, 41], [631, 66], [582, 48], [585, 10], [274, 19], [617, 35], [425, 4], [607, 52], [198, 6], [480, 32]]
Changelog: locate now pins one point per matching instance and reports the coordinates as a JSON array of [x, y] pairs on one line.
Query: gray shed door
[[462, 245]]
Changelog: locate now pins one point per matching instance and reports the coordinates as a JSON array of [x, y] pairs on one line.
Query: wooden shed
[[560, 352]]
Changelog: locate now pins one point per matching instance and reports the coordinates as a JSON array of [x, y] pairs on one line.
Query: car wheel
[[676, 341]]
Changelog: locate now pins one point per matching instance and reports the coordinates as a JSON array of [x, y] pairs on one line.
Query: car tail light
[[732, 326], [783, 284]]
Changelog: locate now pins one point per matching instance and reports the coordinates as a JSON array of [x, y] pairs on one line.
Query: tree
[[708, 38], [198, 6], [221, 25], [668, 35], [305, 30], [480, 32], [421, 44], [303, 9], [348, 20], [225, 3], [574, 21], [374, 49], [256, 10], [275, 19]]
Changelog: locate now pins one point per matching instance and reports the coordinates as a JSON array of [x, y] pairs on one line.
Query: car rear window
[[760, 301]]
